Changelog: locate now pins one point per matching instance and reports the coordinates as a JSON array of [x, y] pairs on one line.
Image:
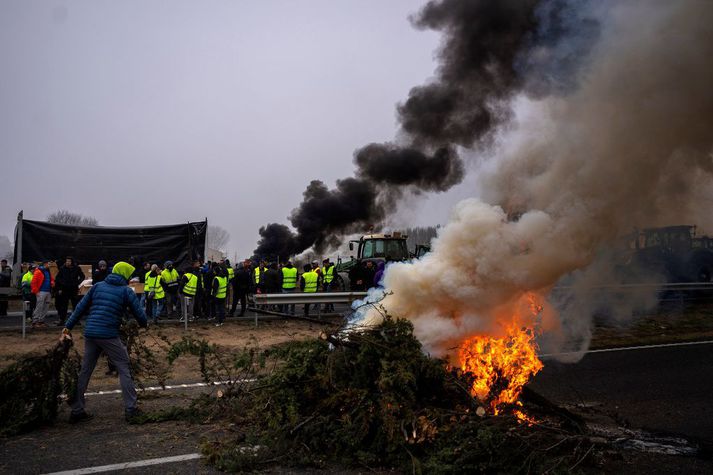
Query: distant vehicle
[[673, 252], [370, 247]]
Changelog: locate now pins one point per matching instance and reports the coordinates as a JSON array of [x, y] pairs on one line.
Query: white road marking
[[629, 348], [168, 387], [124, 466]]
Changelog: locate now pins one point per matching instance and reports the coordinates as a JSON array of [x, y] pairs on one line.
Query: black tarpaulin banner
[[179, 243]]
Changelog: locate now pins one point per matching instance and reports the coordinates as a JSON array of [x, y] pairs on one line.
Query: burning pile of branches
[[375, 399]]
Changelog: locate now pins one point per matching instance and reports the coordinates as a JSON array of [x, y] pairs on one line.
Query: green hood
[[124, 269]]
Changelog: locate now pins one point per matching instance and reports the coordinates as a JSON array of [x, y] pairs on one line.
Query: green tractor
[[369, 248]]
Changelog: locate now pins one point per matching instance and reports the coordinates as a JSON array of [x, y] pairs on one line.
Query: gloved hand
[[66, 335]]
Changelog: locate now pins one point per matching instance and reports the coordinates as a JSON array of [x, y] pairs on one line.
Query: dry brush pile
[[375, 399]]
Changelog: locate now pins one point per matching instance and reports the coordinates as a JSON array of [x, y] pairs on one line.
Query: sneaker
[[39, 325], [80, 417], [219, 324], [133, 416]]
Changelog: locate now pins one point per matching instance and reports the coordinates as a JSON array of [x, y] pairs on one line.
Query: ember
[[503, 365]]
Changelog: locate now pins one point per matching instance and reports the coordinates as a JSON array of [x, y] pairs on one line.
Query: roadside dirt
[[233, 336]]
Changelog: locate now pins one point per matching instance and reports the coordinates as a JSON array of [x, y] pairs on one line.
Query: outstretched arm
[[80, 310], [135, 308]]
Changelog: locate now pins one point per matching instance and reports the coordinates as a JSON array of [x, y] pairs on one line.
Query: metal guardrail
[[263, 302], [307, 298], [684, 286]]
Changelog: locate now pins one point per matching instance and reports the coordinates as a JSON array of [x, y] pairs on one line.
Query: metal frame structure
[[304, 298]]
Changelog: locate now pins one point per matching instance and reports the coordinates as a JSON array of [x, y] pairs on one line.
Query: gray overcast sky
[[154, 112]]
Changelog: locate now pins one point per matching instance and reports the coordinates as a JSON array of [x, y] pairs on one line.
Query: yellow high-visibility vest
[[328, 274], [169, 276], [289, 277], [258, 275], [231, 273], [153, 284], [26, 282], [222, 287], [192, 285], [146, 281], [310, 279]]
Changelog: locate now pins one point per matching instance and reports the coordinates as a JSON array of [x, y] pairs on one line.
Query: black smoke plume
[[492, 50], [384, 172], [388, 164]]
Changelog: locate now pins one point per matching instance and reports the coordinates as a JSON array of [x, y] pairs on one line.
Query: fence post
[[25, 307]]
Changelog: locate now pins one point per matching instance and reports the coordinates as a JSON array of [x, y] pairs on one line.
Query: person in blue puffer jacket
[[104, 306]]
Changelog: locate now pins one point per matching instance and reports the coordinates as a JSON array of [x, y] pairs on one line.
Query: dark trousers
[[218, 309], [173, 304], [61, 302], [3, 306], [116, 351], [207, 304], [198, 305], [290, 307], [241, 295], [327, 287]]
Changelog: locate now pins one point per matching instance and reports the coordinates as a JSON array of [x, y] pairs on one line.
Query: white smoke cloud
[[631, 146]]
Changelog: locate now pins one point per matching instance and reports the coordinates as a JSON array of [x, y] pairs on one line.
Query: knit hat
[[124, 269]]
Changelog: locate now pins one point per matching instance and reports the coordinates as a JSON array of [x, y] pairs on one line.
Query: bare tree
[[217, 238], [63, 216]]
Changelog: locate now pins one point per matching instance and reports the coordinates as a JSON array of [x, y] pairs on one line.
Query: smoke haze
[[631, 145]]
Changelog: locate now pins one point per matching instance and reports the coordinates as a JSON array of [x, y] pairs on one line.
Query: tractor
[[371, 247], [673, 252]]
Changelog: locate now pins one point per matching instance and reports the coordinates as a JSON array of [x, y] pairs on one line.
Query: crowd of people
[[206, 286], [201, 290]]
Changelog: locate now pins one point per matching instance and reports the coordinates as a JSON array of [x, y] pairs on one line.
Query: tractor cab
[[388, 247]]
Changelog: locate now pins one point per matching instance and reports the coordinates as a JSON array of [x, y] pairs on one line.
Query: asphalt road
[[658, 389]]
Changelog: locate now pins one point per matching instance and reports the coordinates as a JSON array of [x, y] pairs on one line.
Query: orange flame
[[502, 366]]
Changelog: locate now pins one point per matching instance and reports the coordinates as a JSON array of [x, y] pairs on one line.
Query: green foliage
[[234, 372], [146, 361], [209, 367], [231, 369], [32, 387]]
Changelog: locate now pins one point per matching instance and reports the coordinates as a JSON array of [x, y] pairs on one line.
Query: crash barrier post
[[25, 308]]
